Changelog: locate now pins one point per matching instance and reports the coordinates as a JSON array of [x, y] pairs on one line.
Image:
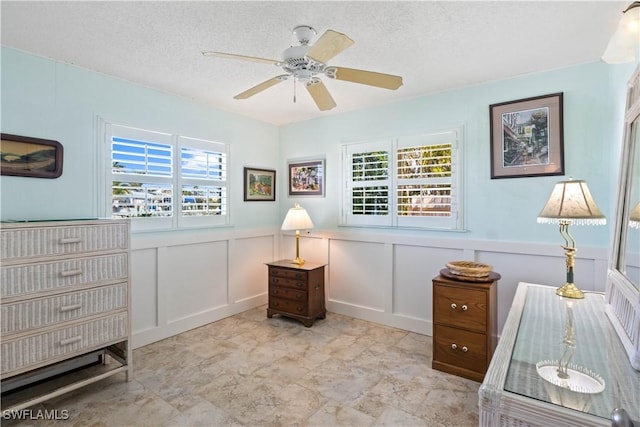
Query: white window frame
[[177, 220], [391, 144]]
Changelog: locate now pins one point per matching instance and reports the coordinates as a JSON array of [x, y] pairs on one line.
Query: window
[[409, 181], [164, 181]]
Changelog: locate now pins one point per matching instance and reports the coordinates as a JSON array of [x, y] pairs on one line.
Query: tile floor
[[248, 370]]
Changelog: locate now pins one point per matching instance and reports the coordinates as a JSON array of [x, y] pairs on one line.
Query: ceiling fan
[[305, 63]]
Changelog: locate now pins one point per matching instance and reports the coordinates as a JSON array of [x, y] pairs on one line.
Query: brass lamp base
[[569, 290], [297, 261]]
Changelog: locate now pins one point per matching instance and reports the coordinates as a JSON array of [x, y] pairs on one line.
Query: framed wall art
[[527, 137], [259, 185], [30, 157], [306, 178]]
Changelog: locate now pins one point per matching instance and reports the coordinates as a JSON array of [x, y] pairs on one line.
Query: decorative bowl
[[469, 268]]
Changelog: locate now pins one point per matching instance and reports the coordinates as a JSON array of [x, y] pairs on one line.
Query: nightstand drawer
[[288, 293], [460, 348], [300, 308], [460, 307], [290, 283], [288, 273]]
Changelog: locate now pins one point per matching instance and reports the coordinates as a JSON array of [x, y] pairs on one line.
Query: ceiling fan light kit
[[305, 63]]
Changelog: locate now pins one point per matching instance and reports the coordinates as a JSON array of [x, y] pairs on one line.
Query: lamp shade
[[634, 217], [297, 219], [571, 202], [623, 45]]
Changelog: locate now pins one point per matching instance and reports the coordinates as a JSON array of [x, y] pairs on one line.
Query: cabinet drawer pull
[[465, 349], [71, 273], [454, 346], [299, 284], [454, 305], [464, 307], [69, 240], [71, 307], [71, 340], [276, 292], [299, 296]]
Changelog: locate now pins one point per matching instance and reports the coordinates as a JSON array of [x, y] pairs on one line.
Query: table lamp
[[570, 202], [297, 219]]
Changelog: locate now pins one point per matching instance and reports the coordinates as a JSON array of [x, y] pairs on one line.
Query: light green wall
[[500, 209], [47, 99]]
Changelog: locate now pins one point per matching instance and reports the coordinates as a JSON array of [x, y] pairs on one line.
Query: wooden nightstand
[[296, 291], [464, 324]]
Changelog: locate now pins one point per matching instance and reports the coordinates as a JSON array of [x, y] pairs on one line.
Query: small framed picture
[[259, 185], [30, 157], [306, 178], [527, 137]]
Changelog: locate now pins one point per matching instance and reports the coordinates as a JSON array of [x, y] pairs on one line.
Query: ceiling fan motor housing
[[294, 61]]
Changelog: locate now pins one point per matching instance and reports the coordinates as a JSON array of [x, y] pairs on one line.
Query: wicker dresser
[[65, 307]]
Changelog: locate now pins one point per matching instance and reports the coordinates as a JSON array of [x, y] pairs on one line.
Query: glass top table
[[552, 326]]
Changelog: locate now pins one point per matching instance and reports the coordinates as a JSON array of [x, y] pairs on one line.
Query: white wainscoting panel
[[181, 281], [360, 272], [144, 295], [197, 279], [249, 271]]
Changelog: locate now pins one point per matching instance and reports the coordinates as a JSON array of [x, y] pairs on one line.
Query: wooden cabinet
[[464, 325], [296, 291], [65, 307]]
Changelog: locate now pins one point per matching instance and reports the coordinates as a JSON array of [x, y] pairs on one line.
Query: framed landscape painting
[[30, 157], [306, 178], [527, 137], [259, 185]]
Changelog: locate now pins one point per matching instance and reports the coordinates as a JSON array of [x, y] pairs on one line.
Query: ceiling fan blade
[[386, 81], [241, 57], [262, 86], [328, 45], [320, 95]]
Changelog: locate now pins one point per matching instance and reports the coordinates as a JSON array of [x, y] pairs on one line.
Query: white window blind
[[409, 181], [164, 181]]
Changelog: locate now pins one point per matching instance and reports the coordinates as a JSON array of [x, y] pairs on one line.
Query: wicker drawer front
[[20, 243], [41, 312], [461, 348], [288, 273], [295, 307], [288, 293], [48, 347], [30, 278], [465, 308]]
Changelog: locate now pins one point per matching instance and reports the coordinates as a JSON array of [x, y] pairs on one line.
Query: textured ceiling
[[433, 45]]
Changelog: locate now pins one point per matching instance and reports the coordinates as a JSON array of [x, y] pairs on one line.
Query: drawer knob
[[464, 307], [276, 292], [465, 349], [454, 305], [300, 284], [454, 346], [298, 296]]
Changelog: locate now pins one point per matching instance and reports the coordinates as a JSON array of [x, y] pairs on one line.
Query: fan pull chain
[[294, 90]]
